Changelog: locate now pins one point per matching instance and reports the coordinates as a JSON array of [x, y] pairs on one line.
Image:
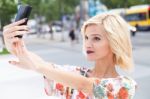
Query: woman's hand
[[27, 59], [16, 46], [10, 31]]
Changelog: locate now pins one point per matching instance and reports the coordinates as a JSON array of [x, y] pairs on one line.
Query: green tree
[[52, 9], [123, 3], [7, 10]]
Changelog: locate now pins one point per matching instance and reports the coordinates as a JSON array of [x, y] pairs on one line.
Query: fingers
[[15, 48], [11, 30], [13, 45], [20, 48], [14, 40], [23, 49], [14, 63], [13, 34], [15, 23], [18, 64], [16, 28]]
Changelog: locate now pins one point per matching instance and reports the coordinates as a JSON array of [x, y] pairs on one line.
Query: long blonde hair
[[118, 35]]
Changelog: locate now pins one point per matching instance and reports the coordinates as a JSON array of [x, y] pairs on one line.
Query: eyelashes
[[95, 38]]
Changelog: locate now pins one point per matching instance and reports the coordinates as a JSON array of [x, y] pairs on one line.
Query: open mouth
[[89, 52]]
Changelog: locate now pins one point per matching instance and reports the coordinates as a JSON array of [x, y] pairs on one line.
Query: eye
[[97, 38], [86, 38]]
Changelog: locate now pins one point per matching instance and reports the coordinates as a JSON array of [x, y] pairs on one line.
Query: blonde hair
[[118, 35]]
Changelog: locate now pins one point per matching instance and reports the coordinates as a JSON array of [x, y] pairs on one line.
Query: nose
[[88, 44]]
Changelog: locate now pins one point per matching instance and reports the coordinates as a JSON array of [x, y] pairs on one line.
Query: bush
[[4, 51]]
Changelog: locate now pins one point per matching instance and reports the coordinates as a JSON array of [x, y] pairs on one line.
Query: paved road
[[141, 47]]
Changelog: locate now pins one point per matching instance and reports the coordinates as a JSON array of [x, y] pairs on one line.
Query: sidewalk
[[16, 83]]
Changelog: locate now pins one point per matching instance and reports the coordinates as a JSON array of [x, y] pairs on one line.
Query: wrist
[[43, 68]]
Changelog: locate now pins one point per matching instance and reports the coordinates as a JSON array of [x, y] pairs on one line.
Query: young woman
[[106, 41]]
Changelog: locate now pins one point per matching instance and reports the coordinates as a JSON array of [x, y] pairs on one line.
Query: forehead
[[95, 29]]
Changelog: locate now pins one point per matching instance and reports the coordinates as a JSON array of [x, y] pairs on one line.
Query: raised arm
[[71, 79], [31, 61]]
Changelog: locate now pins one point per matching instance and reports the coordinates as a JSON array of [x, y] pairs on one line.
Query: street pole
[[81, 10], [62, 20]]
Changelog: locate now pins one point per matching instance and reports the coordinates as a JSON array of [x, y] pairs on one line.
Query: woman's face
[[95, 43]]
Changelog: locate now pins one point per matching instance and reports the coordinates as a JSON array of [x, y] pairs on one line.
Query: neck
[[105, 68]]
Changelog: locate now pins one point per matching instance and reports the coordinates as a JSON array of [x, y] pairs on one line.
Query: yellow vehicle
[[139, 16]]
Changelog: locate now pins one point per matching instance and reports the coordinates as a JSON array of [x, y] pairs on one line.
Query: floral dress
[[121, 87]]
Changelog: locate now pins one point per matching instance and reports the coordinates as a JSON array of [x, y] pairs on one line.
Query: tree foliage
[[123, 3], [7, 11], [52, 9]]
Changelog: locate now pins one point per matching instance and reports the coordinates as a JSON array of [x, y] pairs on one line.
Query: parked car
[[57, 26]]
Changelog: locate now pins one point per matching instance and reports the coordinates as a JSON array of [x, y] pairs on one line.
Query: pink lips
[[89, 51]]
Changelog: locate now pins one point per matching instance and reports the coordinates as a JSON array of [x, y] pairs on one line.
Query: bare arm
[[31, 61], [71, 79]]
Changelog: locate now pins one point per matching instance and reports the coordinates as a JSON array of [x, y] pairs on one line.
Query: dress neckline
[[89, 71]]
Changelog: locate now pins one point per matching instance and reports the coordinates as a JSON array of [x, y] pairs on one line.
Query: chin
[[91, 59]]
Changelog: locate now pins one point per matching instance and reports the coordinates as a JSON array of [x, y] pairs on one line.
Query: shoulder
[[128, 82], [127, 87], [121, 86]]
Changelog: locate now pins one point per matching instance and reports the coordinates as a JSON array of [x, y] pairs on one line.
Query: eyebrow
[[95, 35]]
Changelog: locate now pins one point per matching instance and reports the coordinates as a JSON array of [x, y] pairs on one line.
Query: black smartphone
[[23, 12]]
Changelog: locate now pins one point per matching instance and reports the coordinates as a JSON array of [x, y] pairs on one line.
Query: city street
[[16, 83]]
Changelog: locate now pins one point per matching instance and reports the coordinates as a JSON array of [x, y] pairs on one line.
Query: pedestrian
[[106, 41], [51, 31], [72, 36]]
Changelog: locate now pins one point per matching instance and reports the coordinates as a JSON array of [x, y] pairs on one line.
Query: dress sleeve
[[129, 86], [50, 85], [118, 88]]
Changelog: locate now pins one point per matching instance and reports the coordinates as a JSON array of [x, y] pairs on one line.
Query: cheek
[[102, 49]]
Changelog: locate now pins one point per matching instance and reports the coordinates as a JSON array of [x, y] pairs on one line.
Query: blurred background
[[55, 36]]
